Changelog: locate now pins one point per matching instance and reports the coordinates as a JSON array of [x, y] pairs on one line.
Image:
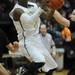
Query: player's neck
[[23, 4]]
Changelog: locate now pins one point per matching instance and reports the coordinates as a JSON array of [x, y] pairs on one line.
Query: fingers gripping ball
[[55, 4]]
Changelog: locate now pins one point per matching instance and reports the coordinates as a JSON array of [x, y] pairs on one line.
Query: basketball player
[[25, 16]]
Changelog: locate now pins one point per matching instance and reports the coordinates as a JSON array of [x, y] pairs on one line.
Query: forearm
[[60, 19], [3, 70], [10, 46], [48, 14]]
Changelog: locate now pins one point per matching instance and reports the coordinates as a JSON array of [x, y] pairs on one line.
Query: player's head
[[43, 29], [22, 1]]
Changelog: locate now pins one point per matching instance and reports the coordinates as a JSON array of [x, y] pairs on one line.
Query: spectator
[[71, 24], [50, 49]]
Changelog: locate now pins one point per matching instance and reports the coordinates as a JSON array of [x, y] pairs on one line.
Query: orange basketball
[[55, 4]]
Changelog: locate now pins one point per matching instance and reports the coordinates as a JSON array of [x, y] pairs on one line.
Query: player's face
[[43, 31]]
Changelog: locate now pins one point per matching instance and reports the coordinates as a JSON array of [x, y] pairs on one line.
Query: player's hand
[[16, 44], [11, 47]]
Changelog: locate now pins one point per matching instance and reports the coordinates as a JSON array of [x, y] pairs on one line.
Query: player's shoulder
[[49, 35]]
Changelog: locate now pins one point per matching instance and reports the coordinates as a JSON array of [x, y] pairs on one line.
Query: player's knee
[[42, 60], [36, 65], [39, 58]]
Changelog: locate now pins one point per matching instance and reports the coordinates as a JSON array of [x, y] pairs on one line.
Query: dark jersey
[[6, 23], [3, 41], [72, 26]]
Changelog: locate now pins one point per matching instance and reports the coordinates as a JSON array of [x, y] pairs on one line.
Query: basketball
[[55, 4]]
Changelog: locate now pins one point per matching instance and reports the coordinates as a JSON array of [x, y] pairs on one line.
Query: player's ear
[[17, 14]]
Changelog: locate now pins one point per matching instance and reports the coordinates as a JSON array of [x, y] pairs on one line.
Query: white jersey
[[30, 19]]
